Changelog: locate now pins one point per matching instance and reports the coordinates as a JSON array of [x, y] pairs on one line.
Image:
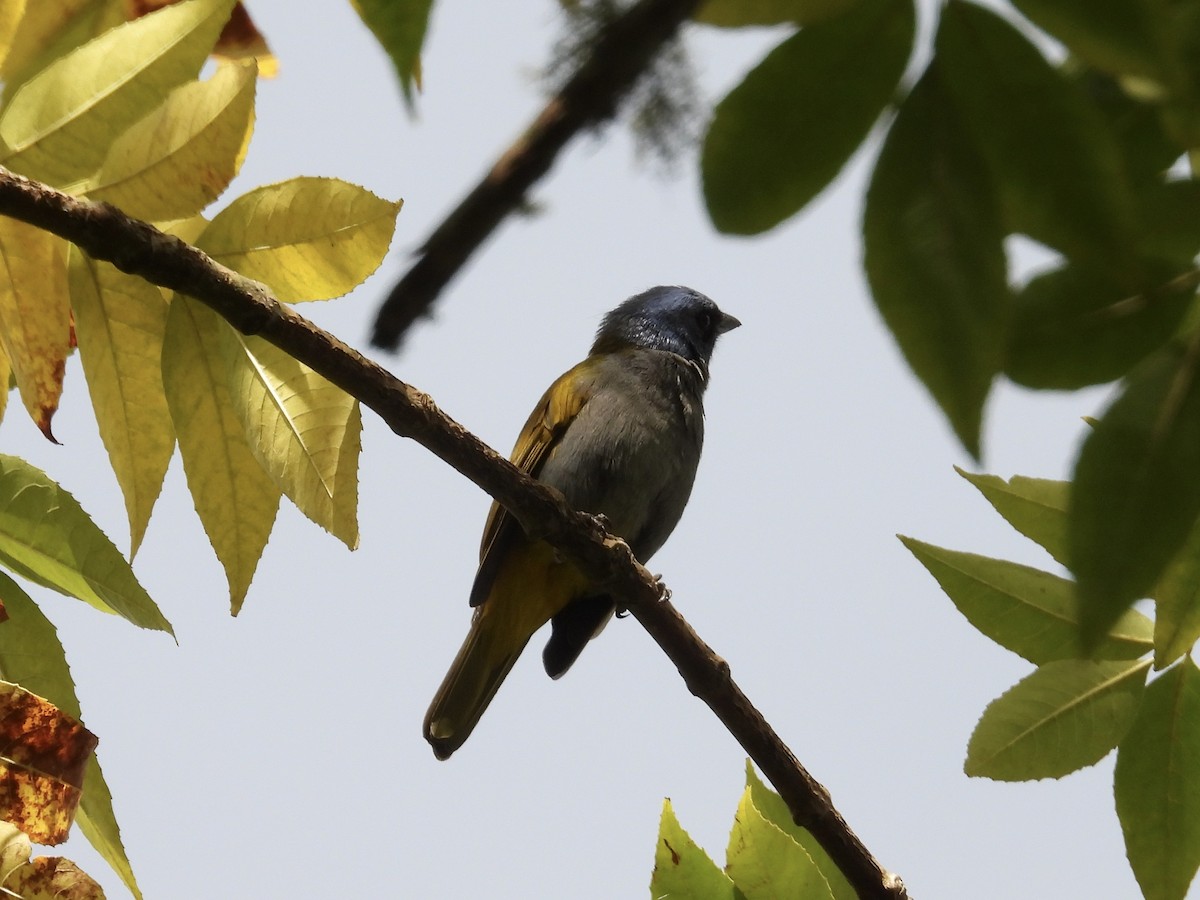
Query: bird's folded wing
[[543, 430]]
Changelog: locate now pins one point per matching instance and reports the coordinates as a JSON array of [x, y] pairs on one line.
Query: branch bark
[[135, 247], [624, 50]]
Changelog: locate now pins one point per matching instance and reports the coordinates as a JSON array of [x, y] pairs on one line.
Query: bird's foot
[[664, 592]]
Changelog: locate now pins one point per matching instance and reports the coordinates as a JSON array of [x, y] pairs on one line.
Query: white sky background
[[279, 754]]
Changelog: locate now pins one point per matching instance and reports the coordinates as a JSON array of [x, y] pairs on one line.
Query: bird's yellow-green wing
[[543, 430]]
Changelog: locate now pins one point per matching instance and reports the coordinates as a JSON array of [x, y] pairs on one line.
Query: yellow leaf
[[308, 238], [60, 123], [235, 499], [239, 40], [304, 431], [182, 156], [5, 378], [187, 230], [35, 326], [119, 323], [42, 26], [11, 12], [15, 849]]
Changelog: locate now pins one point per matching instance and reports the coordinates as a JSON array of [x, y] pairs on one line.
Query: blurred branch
[[135, 247], [624, 49]]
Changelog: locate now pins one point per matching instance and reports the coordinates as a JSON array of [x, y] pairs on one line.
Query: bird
[[619, 435]]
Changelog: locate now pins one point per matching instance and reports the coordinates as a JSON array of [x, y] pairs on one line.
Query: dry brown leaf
[[43, 754]]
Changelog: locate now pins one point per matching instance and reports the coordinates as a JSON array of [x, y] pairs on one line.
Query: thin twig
[[624, 50], [138, 248]]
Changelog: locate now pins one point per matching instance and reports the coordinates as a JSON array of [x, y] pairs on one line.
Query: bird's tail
[[476, 674]]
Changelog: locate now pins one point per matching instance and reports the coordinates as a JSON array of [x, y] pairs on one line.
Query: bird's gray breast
[[632, 451]]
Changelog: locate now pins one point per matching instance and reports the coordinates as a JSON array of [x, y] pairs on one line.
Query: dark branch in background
[[624, 49], [106, 233]]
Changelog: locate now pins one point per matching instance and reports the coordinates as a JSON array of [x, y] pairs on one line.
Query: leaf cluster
[[768, 856], [115, 111], [1089, 149], [1089, 156], [1079, 704]]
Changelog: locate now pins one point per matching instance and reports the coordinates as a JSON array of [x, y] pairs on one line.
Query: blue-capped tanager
[[619, 435]]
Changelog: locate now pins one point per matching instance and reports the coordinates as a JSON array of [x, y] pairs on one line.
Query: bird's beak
[[727, 323]]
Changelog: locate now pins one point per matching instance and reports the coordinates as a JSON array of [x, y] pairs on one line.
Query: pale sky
[[279, 754]]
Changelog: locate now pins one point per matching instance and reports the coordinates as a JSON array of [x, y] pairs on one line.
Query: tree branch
[[623, 51], [135, 247]]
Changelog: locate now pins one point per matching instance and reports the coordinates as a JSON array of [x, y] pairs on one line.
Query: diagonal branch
[[138, 248], [623, 51]]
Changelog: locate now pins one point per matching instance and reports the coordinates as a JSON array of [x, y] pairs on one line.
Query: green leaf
[[304, 431], [1178, 37], [935, 256], [1074, 326], [1066, 715], [1036, 507], [47, 537], [1177, 604], [308, 238], [765, 863], [1171, 227], [1157, 785], [1114, 35], [235, 499], [61, 122], [681, 867], [785, 132], [32, 656], [1135, 123], [775, 811], [742, 13], [178, 159], [98, 822], [119, 323], [399, 26], [1135, 496], [1030, 612], [1056, 166]]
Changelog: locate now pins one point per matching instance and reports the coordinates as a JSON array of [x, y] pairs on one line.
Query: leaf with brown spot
[[681, 867], [53, 878], [43, 755], [32, 655], [35, 325]]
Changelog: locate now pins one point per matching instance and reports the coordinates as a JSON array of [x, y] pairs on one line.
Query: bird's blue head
[[673, 318]]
